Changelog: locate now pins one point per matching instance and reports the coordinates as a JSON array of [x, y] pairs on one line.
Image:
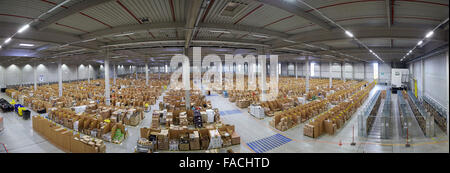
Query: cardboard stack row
[[287, 119], [335, 118], [184, 139], [64, 138], [440, 120], [90, 124]]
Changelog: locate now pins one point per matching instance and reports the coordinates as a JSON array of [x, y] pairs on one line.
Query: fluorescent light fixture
[[420, 42], [410, 51], [64, 45], [260, 36], [125, 34], [23, 28], [89, 40], [289, 41], [429, 34], [349, 33], [8, 40], [227, 32], [0, 46], [370, 51], [26, 45]]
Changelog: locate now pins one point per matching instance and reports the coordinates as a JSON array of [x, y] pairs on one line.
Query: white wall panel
[[435, 78], [384, 73], [348, 73], [359, 71]]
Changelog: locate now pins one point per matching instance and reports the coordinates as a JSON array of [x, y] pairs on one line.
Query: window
[[375, 70], [312, 69]]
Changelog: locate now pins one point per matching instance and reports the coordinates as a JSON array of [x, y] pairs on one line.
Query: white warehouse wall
[[435, 78]]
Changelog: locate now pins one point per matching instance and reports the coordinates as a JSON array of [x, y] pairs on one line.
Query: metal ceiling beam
[[292, 8], [193, 16], [80, 6], [162, 26], [389, 9], [50, 36], [361, 32], [132, 28], [387, 50]]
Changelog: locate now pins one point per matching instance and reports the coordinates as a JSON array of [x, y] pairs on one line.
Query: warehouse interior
[[353, 76]]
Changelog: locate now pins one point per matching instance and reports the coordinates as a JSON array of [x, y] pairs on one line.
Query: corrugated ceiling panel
[[288, 24], [25, 8], [156, 10], [83, 22], [215, 17], [65, 29], [264, 15], [111, 13]]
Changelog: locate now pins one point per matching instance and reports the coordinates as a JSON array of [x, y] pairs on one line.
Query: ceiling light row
[[420, 43]]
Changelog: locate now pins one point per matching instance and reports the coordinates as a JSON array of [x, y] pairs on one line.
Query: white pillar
[[422, 70], [331, 75], [107, 87], [364, 64], [320, 70], [353, 71], [308, 71], [114, 74], [448, 106], [186, 70], [35, 76], [60, 78], [89, 73], [146, 74], [343, 71], [76, 69], [296, 70], [159, 72]]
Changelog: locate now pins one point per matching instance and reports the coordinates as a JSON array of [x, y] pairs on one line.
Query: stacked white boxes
[[215, 140], [257, 111], [210, 114]]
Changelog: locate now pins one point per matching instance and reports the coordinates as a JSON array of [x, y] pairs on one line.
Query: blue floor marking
[[268, 143]]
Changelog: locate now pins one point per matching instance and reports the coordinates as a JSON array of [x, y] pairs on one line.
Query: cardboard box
[[235, 139]]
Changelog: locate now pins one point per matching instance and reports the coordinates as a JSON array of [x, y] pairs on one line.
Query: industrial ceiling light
[[0, 46], [26, 45], [289, 41], [429, 34], [227, 32], [349, 34], [371, 51], [23, 28], [420, 42], [260, 36], [8, 40], [125, 34], [410, 51], [89, 40]]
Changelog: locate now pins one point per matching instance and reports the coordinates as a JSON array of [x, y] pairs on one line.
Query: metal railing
[[364, 115], [426, 122], [405, 115]]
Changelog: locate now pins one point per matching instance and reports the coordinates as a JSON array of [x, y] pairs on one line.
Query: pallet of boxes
[[64, 139]]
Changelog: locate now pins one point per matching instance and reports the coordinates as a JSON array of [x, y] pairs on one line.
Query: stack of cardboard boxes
[[64, 138]]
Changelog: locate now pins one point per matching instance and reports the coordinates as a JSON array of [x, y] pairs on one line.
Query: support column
[[448, 106], [107, 87], [308, 71], [187, 94], [296, 70], [146, 74], [35, 76], [89, 73], [159, 72], [114, 73], [320, 70], [331, 75], [60, 87], [422, 70], [343, 71], [364, 65], [76, 69], [353, 71]]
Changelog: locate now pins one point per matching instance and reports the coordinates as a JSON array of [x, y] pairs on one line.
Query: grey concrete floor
[[19, 136]]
